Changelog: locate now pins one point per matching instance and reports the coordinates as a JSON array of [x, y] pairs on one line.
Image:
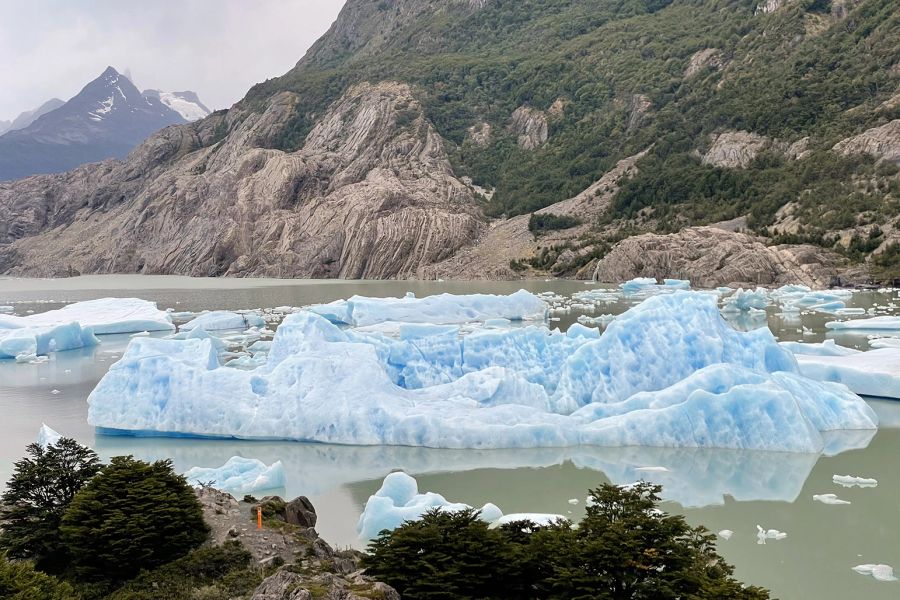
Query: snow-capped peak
[[187, 104]]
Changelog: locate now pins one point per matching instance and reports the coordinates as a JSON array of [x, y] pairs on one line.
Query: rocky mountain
[[492, 138], [106, 119], [30, 116]]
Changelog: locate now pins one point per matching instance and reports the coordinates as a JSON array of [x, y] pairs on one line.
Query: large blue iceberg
[[669, 372]]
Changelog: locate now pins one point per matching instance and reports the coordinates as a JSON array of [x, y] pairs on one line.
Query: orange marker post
[[259, 517]]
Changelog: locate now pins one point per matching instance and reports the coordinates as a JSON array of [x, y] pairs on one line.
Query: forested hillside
[[609, 78]]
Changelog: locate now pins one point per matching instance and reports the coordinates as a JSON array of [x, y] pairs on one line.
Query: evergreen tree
[[38, 493], [134, 515]]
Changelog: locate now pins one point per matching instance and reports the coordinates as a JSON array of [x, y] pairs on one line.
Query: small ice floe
[[239, 475], [879, 572], [573, 501], [768, 534], [140, 334], [829, 499], [851, 481], [55, 392], [47, 437], [726, 534], [652, 469]]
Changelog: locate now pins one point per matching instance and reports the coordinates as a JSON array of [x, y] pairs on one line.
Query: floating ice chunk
[[6, 310], [239, 475], [879, 572], [140, 334], [852, 481], [875, 323], [595, 321], [573, 501], [826, 348], [539, 519], [829, 499], [103, 316], [39, 341], [726, 534], [440, 309], [645, 381], [55, 392], [47, 437], [637, 285], [886, 342], [223, 319], [398, 500], [768, 534], [681, 284], [872, 373], [498, 323], [744, 300], [652, 469], [577, 330]]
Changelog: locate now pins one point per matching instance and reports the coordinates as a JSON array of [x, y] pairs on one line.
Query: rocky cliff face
[[371, 195], [881, 142], [711, 257]]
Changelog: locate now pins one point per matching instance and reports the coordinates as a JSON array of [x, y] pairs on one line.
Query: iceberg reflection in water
[[694, 477]]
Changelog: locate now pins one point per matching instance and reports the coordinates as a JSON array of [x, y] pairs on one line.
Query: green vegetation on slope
[[797, 72]]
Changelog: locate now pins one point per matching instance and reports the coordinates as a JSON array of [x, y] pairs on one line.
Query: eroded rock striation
[[371, 194], [711, 257], [881, 142]]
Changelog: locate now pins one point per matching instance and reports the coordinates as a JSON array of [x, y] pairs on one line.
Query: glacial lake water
[[721, 489]]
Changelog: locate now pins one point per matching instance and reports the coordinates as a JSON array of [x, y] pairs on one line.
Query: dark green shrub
[[220, 571], [625, 548], [539, 222], [20, 581], [38, 493], [133, 516]]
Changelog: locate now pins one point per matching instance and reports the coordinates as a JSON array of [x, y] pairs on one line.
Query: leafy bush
[[132, 516], [215, 572], [20, 581], [539, 222], [625, 548], [40, 490]]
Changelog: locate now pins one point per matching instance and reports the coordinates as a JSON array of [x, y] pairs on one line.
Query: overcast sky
[[217, 48]]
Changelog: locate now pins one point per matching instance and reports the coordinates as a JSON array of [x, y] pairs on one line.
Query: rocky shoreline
[[307, 566]]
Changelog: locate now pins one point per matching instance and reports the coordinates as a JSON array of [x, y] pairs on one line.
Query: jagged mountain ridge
[[106, 119], [466, 69], [30, 116]]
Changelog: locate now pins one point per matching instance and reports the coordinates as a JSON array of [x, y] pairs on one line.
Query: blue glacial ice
[[28, 341], [871, 373], [883, 323], [360, 311], [669, 372], [826, 348], [103, 316], [218, 320], [398, 500], [746, 300], [239, 475]]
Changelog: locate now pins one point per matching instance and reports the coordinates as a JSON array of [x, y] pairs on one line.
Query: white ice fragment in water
[[652, 469], [852, 481], [47, 437], [768, 534], [54, 392], [726, 534], [140, 334], [829, 499], [239, 475], [573, 501], [398, 500], [879, 572]]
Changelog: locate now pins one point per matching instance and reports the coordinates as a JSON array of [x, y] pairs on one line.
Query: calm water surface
[[721, 489]]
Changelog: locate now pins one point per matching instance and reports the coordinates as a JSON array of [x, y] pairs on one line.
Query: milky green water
[[721, 489]]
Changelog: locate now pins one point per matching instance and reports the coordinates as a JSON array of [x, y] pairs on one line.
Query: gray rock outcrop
[[530, 126], [734, 149], [881, 142], [711, 257], [708, 58], [371, 194]]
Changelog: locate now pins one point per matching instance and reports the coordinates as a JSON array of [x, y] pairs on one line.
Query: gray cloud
[[218, 48]]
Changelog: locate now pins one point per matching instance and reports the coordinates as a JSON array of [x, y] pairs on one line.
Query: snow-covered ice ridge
[[668, 372], [76, 325]]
